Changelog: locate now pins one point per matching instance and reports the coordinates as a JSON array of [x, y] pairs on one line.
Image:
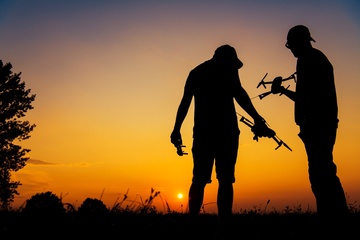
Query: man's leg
[[196, 197], [325, 183], [225, 171], [225, 201], [203, 159]]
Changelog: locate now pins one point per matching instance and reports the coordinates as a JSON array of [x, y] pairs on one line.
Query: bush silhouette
[[93, 207], [44, 203]]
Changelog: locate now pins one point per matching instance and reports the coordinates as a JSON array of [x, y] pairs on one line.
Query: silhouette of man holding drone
[[316, 114], [215, 84]]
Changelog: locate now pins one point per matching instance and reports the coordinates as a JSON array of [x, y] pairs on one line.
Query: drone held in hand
[[263, 83], [180, 151], [276, 138]]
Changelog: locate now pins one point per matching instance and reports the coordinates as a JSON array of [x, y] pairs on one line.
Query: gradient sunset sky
[[109, 75]]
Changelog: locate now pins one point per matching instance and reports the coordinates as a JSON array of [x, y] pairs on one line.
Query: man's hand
[[276, 85], [175, 138], [260, 129], [177, 141]]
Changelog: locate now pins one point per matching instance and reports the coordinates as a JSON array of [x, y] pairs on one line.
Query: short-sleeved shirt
[[213, 86], [315, 103]]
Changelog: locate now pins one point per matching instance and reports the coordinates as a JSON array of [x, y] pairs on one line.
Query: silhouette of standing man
[[316, 114], [215, 84]]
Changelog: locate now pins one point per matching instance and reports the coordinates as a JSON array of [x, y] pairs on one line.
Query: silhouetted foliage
[[45, 203], [15, 101], [92, 218], [93, 207]]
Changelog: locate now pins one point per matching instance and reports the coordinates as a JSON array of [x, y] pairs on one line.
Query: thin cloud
[[39, 162], [73, 164]]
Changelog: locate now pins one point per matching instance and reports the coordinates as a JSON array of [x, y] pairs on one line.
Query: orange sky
[[108, 77]]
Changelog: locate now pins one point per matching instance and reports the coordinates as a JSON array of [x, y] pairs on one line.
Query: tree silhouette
[[15, 101]]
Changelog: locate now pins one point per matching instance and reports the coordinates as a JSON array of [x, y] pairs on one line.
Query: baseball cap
[[228, 52], [299, 32]]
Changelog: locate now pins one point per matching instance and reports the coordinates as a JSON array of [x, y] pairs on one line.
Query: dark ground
[[15, 225]]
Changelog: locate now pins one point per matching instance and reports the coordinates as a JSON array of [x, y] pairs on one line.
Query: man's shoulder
[[203, 66], [314, 57], [318, 53]]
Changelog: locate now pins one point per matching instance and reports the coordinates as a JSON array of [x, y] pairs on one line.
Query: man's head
[[298, 38], [226, 53]]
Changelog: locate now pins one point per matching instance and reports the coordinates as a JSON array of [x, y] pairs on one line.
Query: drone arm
[[280, 142], [262, 81], [292, 76], [276, 138], [284, 90], [290, 94], [246, 121], [261, 96]]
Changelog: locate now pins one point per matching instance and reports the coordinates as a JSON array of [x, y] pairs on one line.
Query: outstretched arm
[[244, 101], [260, 129]]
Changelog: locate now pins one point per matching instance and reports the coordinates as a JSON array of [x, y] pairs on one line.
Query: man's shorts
[[221, 151]]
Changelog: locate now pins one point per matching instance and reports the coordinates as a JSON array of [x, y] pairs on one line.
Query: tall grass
[[141, 205], [140, 216]]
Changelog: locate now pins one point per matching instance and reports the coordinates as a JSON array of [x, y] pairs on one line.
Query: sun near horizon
[[109, 75]]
